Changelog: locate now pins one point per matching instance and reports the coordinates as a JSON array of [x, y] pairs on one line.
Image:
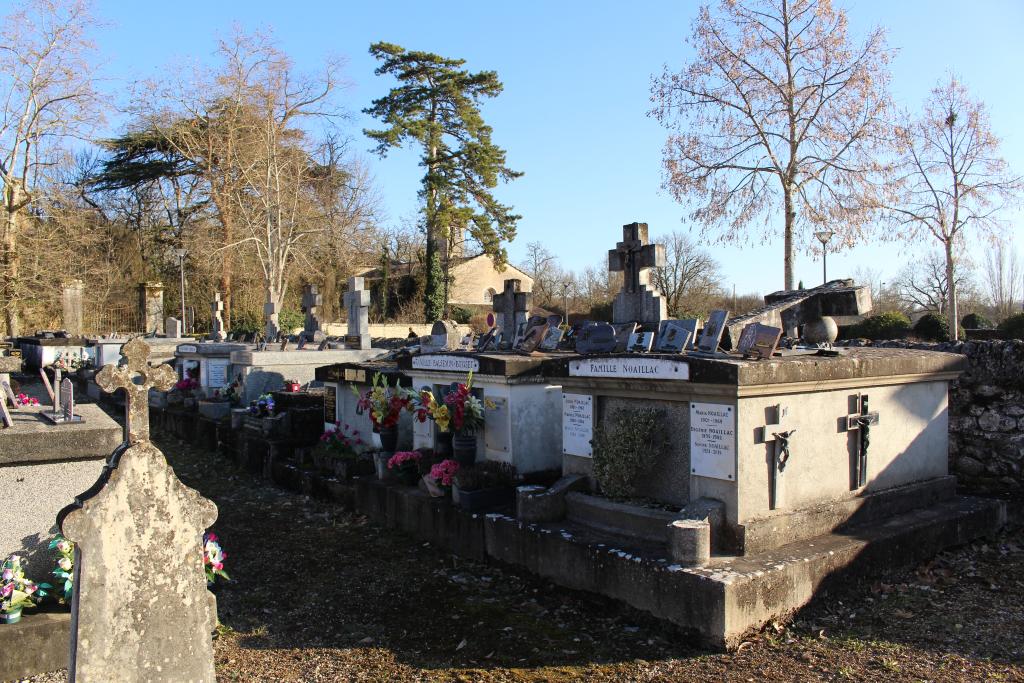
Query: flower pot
[[433, 488], [388, 438], [409, 476], [12, 617], [464, 449], [443, 445]]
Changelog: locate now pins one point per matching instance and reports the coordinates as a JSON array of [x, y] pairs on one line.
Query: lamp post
[[824, 236], [181, 266], [565, 301]]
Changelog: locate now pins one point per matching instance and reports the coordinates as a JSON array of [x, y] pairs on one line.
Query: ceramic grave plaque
[[713, 440], [623, 333], [712, 334], [577, 424], [8, 395], [536, 328], [677, 335], [5, 417], [640, 342], [596, 338], [141, 610]]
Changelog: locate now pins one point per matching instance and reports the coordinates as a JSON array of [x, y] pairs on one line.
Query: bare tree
[[542, 266], [1003, 278], [922, 285], [777, 105], [690, 278], [951, 177], [47, 93]]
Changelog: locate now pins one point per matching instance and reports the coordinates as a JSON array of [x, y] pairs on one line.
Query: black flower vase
[[388, 438], [443, 445], [464, 449]]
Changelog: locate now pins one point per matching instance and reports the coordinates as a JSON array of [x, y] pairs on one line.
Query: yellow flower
[[441, 416], [489, 404]]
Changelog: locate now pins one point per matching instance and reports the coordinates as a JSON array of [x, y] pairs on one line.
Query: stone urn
[[822, 331]]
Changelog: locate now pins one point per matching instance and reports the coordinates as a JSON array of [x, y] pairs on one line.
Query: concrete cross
[[861, 421], [511, 306], [217, 318], [633, 257], [778, 433], [136, 377], [311, 300], [357, 303]]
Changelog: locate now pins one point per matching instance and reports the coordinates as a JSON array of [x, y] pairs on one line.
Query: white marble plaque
[[217, 373], [445, 363], [633, 368], [577, 424], [497, 428], [422, 434], [713, 440], [186, 348]]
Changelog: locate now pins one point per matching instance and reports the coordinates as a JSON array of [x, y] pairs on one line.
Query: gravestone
[[444, 336], [151, 307], [311, 301], [270, 320], [711, 335], [677, 335], [173, 328], [71, 303], [638, 301], [141, 609], [217, 318], [511, 308], [357, 303]]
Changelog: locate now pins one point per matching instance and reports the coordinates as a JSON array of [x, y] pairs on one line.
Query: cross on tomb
[[217, 318], [778, 433], [511, 306], [270, 314], [311, 301], [634, 257], [136, 377], [357, 303], [861, 421]]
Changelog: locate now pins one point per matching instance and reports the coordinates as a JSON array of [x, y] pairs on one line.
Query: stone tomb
[[340, 403], [266, 371], [782, 471], [41, 350], [523, 429], [211, 359]]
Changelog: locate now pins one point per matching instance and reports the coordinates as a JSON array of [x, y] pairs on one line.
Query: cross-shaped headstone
[[311, 301], [778, 434], [270, 313], [634, 257], [511, 307], [136, 377], [861, 421], [357, 303], [217, 318]]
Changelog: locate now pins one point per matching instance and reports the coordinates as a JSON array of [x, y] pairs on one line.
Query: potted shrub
[[440, 478], [385, 405], [488, 485], [406, 466], [16, 591]]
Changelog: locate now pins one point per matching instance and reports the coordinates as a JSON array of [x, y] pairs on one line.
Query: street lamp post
[[824, 236], [565, 301], [181, 266]]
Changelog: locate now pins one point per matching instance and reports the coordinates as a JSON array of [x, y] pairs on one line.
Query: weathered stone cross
[[357, 303], [136, 377], [311, 300], [634, 257], [511, 306], [861, 421], [778, 433], [217, 318]]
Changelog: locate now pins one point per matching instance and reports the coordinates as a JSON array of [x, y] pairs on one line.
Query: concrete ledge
[[649, 524], [539, 504], [760, 535], [95, 438], [40, 642]]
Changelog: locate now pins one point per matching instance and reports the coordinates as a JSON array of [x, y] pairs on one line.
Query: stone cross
[[270, 313], [357, 303], [511, 307], [311, 300], [217, 318], [778, 433], [136, 377], [141, 609], [861, 421], [638, 301]]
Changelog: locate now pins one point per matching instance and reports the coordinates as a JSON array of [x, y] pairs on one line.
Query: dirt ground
[[319, 594]]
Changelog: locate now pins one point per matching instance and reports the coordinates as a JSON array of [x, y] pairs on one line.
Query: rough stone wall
[[986, 414]]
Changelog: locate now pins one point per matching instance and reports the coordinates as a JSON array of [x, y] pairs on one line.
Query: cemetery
[[260, 420]]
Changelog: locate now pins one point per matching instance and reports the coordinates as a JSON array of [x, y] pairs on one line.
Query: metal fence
[[121, 319]]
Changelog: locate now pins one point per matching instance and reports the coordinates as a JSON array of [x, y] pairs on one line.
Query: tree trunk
[[788, 236], [10, 260], [951, 305]]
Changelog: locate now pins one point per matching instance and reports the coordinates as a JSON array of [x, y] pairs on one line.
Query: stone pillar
[[71, 301], [151, 306]]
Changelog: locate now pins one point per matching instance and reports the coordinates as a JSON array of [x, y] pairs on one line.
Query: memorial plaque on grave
[[284, 344], [330, 404], [623, 333], [759, 341], [217, 373], [712, 334], [677, 335], [323, 345], [487, 340], [449, 363], [577, 424], [551, 339], [713, 440], [630, 368], [422, 434], [640, 342], [302, 342], [536, 328], [497, 424], [67, 400], [596, 338]]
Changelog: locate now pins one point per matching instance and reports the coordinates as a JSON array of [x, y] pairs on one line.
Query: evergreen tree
[[436, 105]]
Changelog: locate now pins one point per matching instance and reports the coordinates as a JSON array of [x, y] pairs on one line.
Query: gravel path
[[319, 594]]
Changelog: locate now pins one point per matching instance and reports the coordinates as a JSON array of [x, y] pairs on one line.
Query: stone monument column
[[151, 306], [71, 302]]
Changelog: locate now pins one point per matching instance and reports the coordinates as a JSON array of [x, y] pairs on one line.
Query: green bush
[[627, 448], [1013, 327], [289, 319], [890, 325], [932, 328], [975, 321], [245, 322], [461, 315]]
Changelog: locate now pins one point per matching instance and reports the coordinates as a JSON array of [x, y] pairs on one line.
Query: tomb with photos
[[340, 401]]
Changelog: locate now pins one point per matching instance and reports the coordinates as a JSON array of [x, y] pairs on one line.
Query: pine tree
[[436, 105]]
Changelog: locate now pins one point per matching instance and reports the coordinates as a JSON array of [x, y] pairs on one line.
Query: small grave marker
[[711, 336], [676, 335], [8, 395]]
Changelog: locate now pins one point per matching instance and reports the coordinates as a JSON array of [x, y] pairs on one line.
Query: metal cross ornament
[[861, 421], [136, 376], [778, 433]]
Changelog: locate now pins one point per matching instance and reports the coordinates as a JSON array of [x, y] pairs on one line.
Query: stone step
[[621, 519]]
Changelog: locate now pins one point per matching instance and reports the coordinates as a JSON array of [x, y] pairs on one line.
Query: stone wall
[[986, 415]]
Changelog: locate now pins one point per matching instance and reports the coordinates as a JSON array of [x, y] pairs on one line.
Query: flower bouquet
[[406, 463], [213, 559], [65, 570], [441, 476], [26, 400], [343, 447], [463, 413], [262, 406], [16, 591], [385, 405]]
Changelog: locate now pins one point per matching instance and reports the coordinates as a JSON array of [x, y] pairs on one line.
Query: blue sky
[[573, 114]]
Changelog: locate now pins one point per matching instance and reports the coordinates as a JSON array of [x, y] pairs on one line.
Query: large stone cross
[[511, 306], [217, 318], [634, 257], [136, 377], [357, 303], [311, 300]]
